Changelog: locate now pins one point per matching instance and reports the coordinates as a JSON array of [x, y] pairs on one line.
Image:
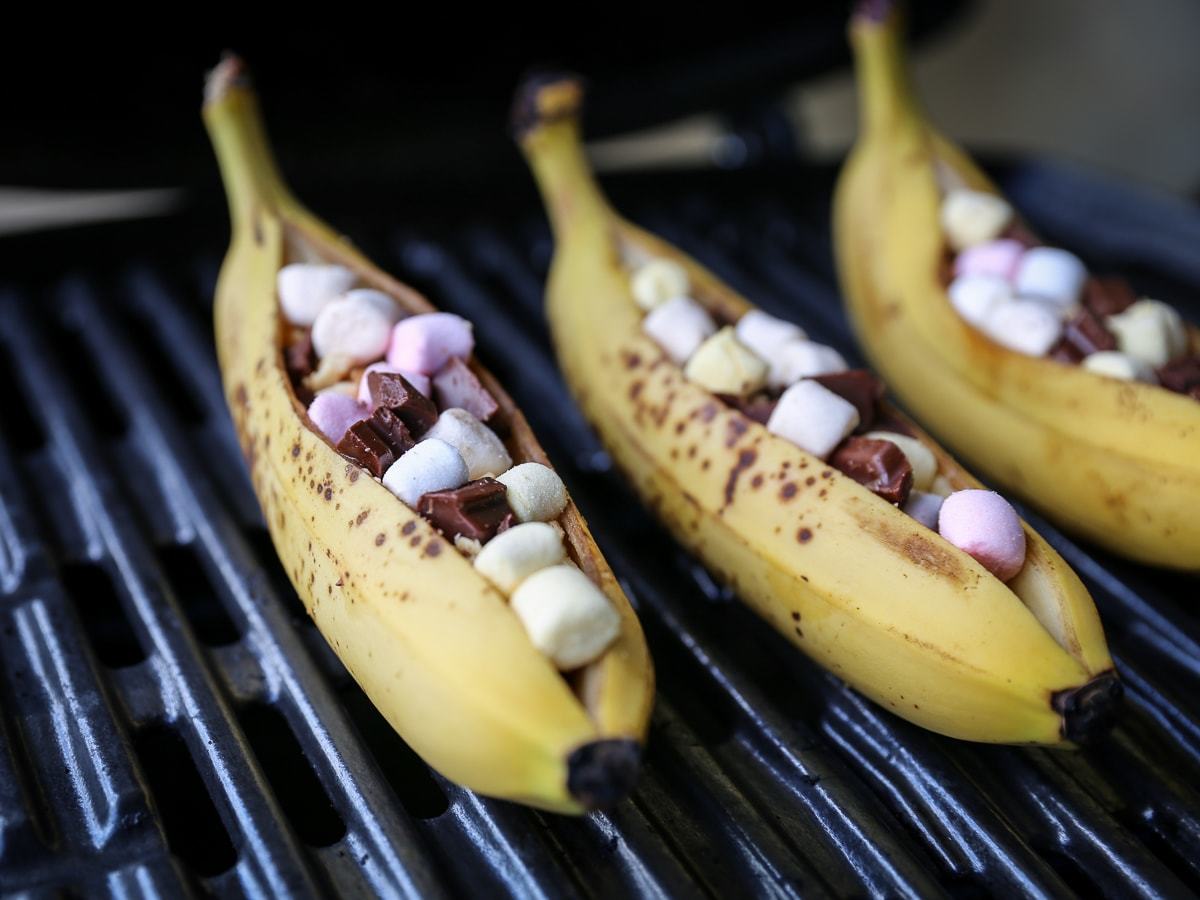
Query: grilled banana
[[882, 601], [1115, 461], [433, 644]]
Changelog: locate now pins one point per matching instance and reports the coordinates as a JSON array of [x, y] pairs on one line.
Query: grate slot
[[21, 429], [148, 341], [98, 605], [81, 369], [197, 594]]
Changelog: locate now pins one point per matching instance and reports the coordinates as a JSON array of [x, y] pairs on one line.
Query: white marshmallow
[[1026, 326], [921, 458], [813, 418], [305, 289], [794, 360], [1119, 365], [724, 365], [942, 487], [478, 445], [924, 508], [566, 616], [975, 296], [1149, 331], [679, 326], [1050, 274], [764, 334], [358, 326], [431, 465], [535, 493], [512, 556], [657, 281], [973, 217]]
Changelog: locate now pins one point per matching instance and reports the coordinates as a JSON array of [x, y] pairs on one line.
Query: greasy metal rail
[[173, 724]]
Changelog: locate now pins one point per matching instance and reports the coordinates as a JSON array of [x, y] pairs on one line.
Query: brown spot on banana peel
[[921, 550], [745, 460]]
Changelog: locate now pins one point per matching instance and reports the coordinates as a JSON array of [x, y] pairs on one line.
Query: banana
[[1117, 462], [892, 608], [435, 647]]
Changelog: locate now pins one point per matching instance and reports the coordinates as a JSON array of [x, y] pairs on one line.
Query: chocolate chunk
[[300, 357], [363, 444], [1087, 334], [478, 510], [1107, 296], [393, 391], [1182, 376], [1021, 233], [859, 387], [879, 466], [1065, 352], [455, 386], [757, 406], [393, 431]]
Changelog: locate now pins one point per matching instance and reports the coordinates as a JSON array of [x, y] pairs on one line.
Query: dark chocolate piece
[[456, 387], [1021, 233], [757, 406], [393, 391], [393, 431], [1065, 352], [1107, 296], [1087, 334], [879, 466], [1181, 376], [859, 387], [301, 358], [478, 510], [363, 444]]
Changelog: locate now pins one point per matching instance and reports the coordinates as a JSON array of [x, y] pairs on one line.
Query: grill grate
[[172, 723]]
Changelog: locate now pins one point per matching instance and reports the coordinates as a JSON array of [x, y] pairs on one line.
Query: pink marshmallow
[[333, 413], [999, 258], [984, 525], [424, 343], [416, 379], [457, 387]]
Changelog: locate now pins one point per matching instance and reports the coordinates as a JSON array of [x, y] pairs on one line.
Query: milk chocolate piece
[[879, 466], [1065, 352], [393, 391], [1107, 296], [365, 446], [455, 386], [858, 387], [757, 406], [1087, 334], [393, 431], [1182, 376], [300, 359], [478, 510]]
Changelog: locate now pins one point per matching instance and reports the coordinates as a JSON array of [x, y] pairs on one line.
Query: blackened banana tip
[[229, 73], [601, 774], [544, 96], [1089, 710]]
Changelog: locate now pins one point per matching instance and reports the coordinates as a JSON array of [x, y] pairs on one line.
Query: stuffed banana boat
[[1061, 386], [859, 584], [542, 696]]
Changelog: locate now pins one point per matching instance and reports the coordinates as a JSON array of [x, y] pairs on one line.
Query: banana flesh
[[1117, 462], [883, 602], [431, 642]]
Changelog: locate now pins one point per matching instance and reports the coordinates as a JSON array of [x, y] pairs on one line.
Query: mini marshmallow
[[724, 365], [567, 617], [1026, 326], [483, 452], [924, 508], [996, 258], [1115, 364], [942, 487], [973, 217], [513, 555], [430, 465], [1050, 274], [974, 297], [679, 326], [765, 334], [329, 371], [794, 360], [357, 325], [416, 379], [921, 458], [813, 418], [656, 282], [1150, 332], [333, 413], [984, 525], [424, 343], [535, 492], [306, 288]]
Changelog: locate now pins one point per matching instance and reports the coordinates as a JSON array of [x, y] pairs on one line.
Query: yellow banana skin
[[883, 602], [434, 646], [1116, 462]]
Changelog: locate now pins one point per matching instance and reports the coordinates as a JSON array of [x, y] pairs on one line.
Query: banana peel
[[1116, 462], [435, 647], [899, 613]]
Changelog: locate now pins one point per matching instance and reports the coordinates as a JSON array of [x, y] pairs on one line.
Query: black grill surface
[[173, 724]]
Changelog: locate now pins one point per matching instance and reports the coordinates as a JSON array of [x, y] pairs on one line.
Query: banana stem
[[234, 124], [886, 95]]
